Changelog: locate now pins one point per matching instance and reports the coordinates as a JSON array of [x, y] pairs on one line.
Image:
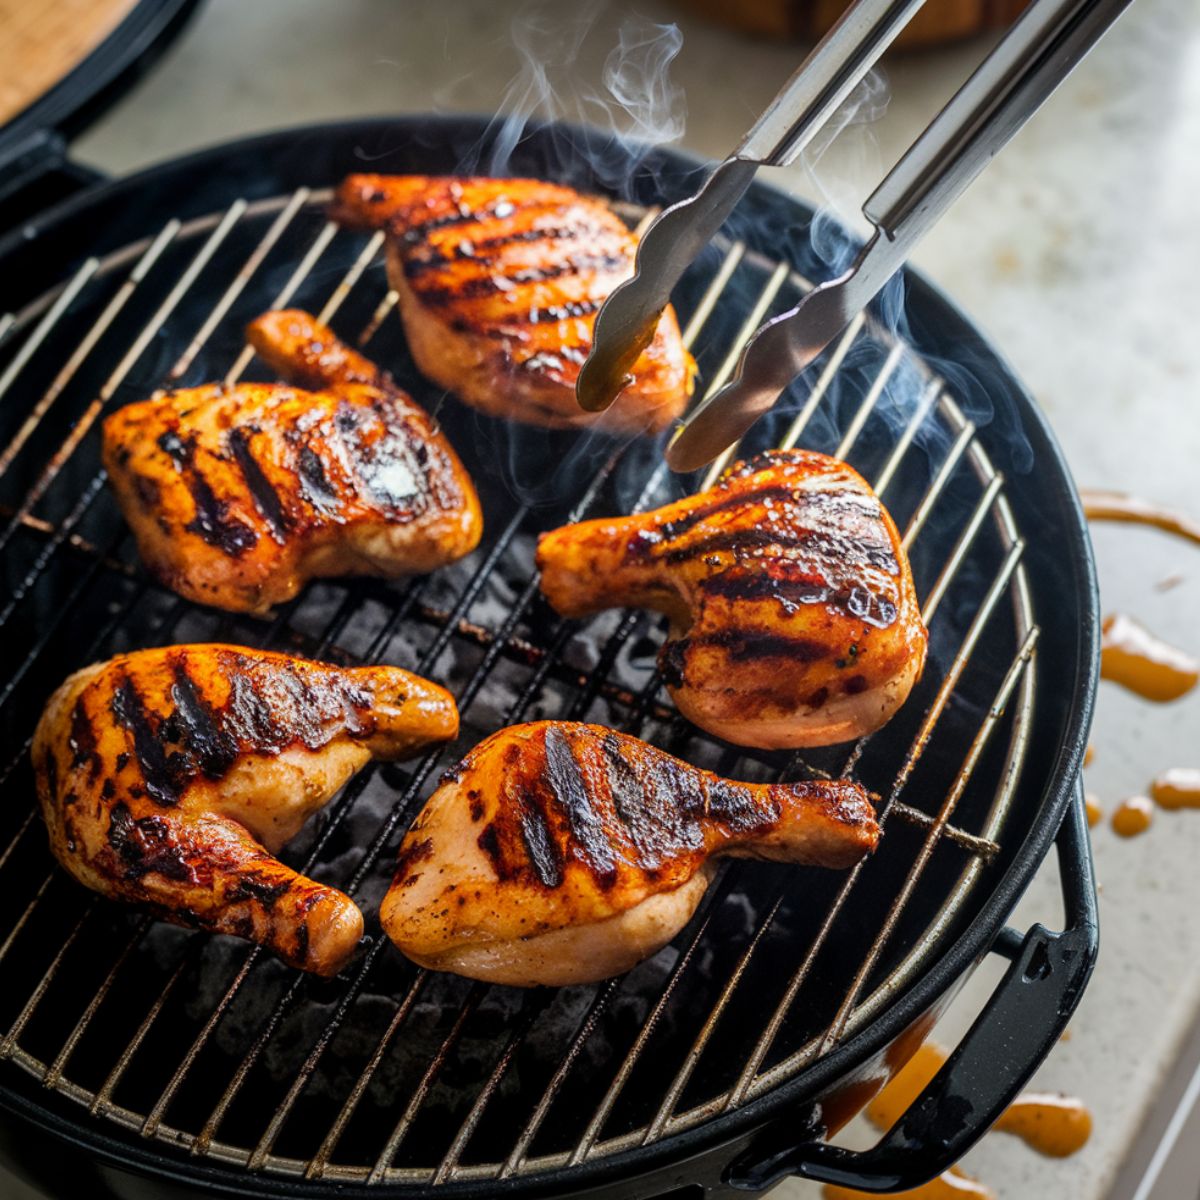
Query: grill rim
[[675, 173]]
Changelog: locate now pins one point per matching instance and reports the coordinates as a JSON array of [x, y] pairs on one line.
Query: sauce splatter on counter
[[1095, 814], [1133, 657], [1053, 1125], [1056, 1126], [1133, 817], [1177, 788]]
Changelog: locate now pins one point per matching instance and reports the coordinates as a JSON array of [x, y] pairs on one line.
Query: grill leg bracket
[[1017, 1028]]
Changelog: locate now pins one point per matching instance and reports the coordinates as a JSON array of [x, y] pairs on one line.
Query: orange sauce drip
[[1056, 1126], [1177, 788], [1089, 754], [1113, 506], [954, 1185], [905, 1086], [1133, 657], [1133, 817], [1095, 814]]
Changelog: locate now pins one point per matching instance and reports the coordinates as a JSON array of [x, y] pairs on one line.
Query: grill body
[[674, 1097]]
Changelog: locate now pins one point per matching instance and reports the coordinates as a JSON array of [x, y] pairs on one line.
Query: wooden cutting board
[[41, 41]]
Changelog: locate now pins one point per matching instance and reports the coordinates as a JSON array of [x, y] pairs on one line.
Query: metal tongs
[[1038, 52]]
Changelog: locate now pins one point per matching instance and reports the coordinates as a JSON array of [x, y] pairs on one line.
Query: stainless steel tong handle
[[1040, 50], [625, 324]]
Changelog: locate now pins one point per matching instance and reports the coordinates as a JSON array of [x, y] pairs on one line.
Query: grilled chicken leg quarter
[[794, 621], [559, 853], [171, 777], [499, 282], [239, 495]]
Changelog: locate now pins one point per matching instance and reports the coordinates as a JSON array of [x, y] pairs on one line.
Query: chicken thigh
[[559, 853], [239, 495], [794, 621], [499, 282], [171, 777]]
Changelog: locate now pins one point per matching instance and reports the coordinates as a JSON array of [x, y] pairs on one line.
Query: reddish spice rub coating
[[171, 777], [559, 852], [238, 495], [794, 620], [499, 282]]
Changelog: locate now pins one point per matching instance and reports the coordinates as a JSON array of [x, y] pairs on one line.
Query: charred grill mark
[[178, 449], [554, 312], [411, 854], [301, 948], [147, 844], [650, 799], [162, 772], [489, 842], [82, 738], [499, 210], [856, 601], [670, 530], [544, 856], [391, 463], [148, 489], [314, 483], [214, 749], [212, 522], [569, 788], [836, 553], [262, 491], [439, 295], [263, 889], [737, 808], [742, 646], [417, 264]]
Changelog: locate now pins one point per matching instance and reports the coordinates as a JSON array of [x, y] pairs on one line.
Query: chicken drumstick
[[559, 853], [171, 777]]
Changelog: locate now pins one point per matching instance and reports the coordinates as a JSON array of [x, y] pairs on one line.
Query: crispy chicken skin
[[237, 496], [499, 282], [171, 777], [559, 853], [794, 621]]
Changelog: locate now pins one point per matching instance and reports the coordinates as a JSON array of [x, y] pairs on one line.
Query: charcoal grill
[[129, 1048]]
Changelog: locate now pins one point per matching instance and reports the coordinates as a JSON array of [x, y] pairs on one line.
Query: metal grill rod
[[421, 773], [599, 1118], [85, 422], [19, 361], [316, 1166], [671, 1098], [738, 1093], [240, 280], [154, 1118], [587, 1144], [856, 427], [969, 835], [299, 275], [197, 343], [966, 771]]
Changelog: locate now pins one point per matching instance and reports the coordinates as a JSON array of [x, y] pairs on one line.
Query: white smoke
[[636, 102]]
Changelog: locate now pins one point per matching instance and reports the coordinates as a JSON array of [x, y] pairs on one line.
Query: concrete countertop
[[1076, 251]]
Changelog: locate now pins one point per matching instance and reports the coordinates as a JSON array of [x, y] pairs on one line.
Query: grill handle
[[1017, 1028]]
